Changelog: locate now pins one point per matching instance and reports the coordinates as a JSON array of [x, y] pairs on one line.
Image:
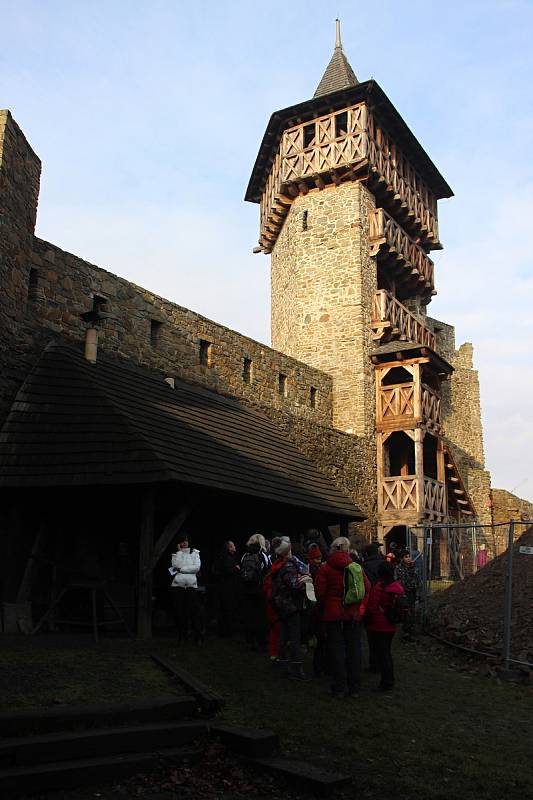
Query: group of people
[[295, 596]]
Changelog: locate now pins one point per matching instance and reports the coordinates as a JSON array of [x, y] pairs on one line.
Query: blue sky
[[148, 117]]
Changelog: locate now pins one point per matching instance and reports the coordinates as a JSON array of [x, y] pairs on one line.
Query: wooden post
[[146, 550], [419, 468]]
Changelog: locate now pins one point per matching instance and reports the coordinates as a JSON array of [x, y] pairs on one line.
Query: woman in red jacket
[[342, 623], [381, 630]]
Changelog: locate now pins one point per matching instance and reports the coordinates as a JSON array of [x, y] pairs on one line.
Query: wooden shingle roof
[[338, 75], [74, 423]]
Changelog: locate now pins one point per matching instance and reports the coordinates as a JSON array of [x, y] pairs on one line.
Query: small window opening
[[305, 220], [282, 384], [99, 303], [309, 135], [313, 394], [430, 456], [247, 370], [206, 352], [155, 332], [33, 284], [341, 124], [397, 375]]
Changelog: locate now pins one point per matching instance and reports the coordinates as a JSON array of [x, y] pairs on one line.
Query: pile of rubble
[[471, 613]]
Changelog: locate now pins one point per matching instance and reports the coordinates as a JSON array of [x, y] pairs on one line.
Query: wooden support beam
[[146, 555], [171, 530], [303, 187], [24, 591], [319, 182]]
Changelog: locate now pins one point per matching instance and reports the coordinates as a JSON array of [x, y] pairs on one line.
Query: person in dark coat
[[226, 575], [342, 623], [380, 629], [253, 567], [372, 558]]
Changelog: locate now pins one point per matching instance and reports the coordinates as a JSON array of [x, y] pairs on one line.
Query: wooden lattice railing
[[434, 497], [344, 145], [399, 494], [430, 405], [392, 320], [385, 233], [396, 401]]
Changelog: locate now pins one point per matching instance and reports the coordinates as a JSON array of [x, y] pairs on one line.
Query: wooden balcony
[[399, 407], [392, 320], [347, 145], [407, 498], [408, 262]]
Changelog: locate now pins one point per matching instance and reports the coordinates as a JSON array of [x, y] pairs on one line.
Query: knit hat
[[284, 546], [314, 552]]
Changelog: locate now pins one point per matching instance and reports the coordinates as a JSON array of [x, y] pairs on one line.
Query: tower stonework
[[323, 283], [348, 212]]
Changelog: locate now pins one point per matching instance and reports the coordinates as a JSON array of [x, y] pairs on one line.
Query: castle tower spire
[[338, 74]]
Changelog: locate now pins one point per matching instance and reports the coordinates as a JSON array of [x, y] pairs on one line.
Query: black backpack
[[283, 597], [397, 609], [252, 566]]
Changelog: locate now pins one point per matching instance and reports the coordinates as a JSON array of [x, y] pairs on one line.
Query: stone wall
[[20, 171], [163, 335], [461, 414], [506, 507]]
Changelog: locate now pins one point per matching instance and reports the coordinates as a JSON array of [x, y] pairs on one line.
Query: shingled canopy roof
[[338, 74], [74, 423]]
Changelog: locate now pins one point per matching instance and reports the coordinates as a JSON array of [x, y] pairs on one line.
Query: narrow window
[[282, 384], [205, 353], [305, 220], [99, 303], [313, 393], [155, 332], [247, 370], [33, 284], [309, 135], [341, 124]]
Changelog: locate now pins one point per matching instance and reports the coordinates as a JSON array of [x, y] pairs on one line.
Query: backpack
[[283, 597], [354, 584], [397, 609], [251, 569]]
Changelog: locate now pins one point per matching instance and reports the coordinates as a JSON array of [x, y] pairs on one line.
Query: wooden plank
[[171, 530], [146, 554]]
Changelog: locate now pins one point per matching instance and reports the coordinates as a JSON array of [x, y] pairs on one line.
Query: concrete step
[[46, 748], [58, 718], [21, 781], [304, 776]]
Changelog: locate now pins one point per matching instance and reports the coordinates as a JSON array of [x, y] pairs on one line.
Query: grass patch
[[45, 671], [441, 734]]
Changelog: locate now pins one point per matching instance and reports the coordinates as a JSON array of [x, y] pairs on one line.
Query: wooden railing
[[399, 494], [392, 320], [396, 401], [434, 497], [385, 233], [343, 145], [430, 405]]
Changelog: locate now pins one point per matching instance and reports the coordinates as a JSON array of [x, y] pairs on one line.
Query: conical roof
[[338, 74]]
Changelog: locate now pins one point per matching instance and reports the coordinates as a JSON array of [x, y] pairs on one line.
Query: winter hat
[[284, 546], [314, 552]]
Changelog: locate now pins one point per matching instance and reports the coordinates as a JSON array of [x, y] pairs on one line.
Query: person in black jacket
[[226, 574], [372, 559]]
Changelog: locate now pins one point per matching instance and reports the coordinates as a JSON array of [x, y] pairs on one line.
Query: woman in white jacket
[[184, 570]]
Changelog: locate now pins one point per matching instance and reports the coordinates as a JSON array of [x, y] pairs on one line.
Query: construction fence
[[491, 615]]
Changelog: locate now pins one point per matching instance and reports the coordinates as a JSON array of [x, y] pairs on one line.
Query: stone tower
[[348, 210]]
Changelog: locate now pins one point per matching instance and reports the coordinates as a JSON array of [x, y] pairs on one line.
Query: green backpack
[[354, 584]]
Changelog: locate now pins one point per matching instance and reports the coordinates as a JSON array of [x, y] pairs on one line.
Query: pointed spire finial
[[338, 43], [338, 74]]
